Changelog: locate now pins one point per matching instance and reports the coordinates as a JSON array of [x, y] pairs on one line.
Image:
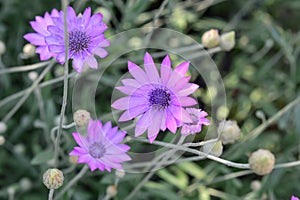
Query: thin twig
[[65, 92], [24, 67]]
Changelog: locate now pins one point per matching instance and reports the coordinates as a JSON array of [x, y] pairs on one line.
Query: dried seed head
[[262, 161], [227, 41], [211, 38], [53, 178], [230, 131], [81, 117]]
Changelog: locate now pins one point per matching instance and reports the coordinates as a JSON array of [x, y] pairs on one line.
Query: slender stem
[[27, 93], [65, 92], [54, 129], [51, 193], [72, 182], [286, 165], [24, 68], [258, 130]]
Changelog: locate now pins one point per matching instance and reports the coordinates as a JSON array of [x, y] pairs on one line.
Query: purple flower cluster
[[159, 100], [85, 36]]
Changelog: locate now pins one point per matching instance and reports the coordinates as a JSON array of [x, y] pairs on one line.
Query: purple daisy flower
[[40, 26], [294, 198], [198, 117], [86, 38], [158, 100], [101, 148]]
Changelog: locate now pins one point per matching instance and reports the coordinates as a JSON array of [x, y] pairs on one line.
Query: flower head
[[101, 148], [85, 35], [262, 162], [294, 198], [53, 178], [157, 99], [198, 117], [38, 39]]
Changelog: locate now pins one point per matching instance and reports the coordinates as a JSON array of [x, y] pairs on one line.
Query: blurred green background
[[261, 73]]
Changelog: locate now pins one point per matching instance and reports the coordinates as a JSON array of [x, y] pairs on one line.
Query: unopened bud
[[120, 174], [32, 75], [53, 178], [227, 41], [81, 117], [2, 140], [211, 38], [230, 132], [262, 161], [3, 127], [111, 190], [28, 51], [25, 184], [255, 185], [213, 148], [2, 48]]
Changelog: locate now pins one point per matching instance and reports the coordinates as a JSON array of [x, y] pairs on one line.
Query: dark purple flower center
[[96, 150], [78, 41], [159, 98]]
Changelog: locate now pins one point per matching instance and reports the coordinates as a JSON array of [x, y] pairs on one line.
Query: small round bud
[[255, 185], [25, 184], [211, 38], [19, 148], [3, 127], [11, 190], [57, 120], [2, 48], [53, 178], [213, 148], [111, 190], [28, 51], [227, 41], [32, 75], [262, 161], [73, 160], [81, 117], [120, 174], [230, 132], [2, 140]]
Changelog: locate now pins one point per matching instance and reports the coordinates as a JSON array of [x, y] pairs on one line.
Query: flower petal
[[150, 68]]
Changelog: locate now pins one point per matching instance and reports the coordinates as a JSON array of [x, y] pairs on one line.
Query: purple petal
[[133, 112], [92, 62], [130, 82], [56, 48], [142, 124], [185, 101], [80, 140], [182, 68], [137, 73], [35, 39], [150, 68], [189, 90], [165, 69], [153, 130], [85, 158], [180, 114], [171, 122], [86, 16], [71, 17], [100, 52], [44, 52], [78, 64]]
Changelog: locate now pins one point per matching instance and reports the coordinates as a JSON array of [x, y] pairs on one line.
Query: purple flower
[[85, 38], [198, 117], [294, 198], [40, 26], [101, 148], [158, 100]]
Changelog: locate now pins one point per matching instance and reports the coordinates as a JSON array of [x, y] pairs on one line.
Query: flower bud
[[213, 148], [81, 117], [2, 48], [33, 75], [53, 178], [227, 41], [262, 161], [255, 185], [25, 184], [229, 130], [2, 140], [3, 127], [28, 51], [211, 38], [111, 190], [120, 174]]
